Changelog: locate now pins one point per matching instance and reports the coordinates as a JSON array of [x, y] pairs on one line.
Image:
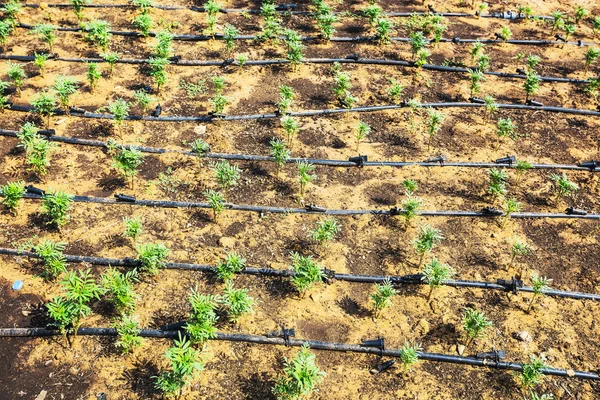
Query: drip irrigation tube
[[456, 40], [291, 9], [310, 113], [412, 279], [314, 209], [313, 344], [594, 166], [352, 60]]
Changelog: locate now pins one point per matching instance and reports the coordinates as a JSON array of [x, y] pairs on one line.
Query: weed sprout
[[435, 274], [300, 376], [382, 298], [152, 257], [12, 193]]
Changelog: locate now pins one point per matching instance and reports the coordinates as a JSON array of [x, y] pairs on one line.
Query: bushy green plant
[[12, 193], [111, 58], [144, 23], [325, 230], [300, 376], [372, 12], [201, 324], [6, 28], [227, 175], [539, 284], [46, 33], [143, 99], [382, 298], [44, 104], [307, 272], [427, 238], [126, 161], [133, 228], [236, 302], [39, 60], [120, 290], [290, 127], [186, 362], [280, 153], [93, 75], [51, 254], [56, 206], [64, 87], [216, 201], [409, 355], [474, 323], [212, 14], [532, 373], [383, 28], [164, 44], [562, 185], [37, 152], [97, 33], [232, 264], [16, 73], [591, 56], [128, 334], [152, 257], [435, 274], [11, 10]]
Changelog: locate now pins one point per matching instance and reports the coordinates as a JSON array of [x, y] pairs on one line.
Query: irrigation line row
[[348, 60], [591, 166], [456, 40], [313, 209], [412, 279], [291, 10], [313, 344], [311, 113]]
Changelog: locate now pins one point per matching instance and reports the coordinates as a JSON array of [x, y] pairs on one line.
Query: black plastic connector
[[378, 343], [431, 9], [498, 36], [412, 278], [354, 57], [30, 189], [476, 100], [491, 211], [124, 198], [440, 158], [521, 71], [77, 110], [157, 111], [591, 165], [328, 275], [494, 355], [560, 38], [534, 103], [575, 211], [455, 40], [396, 211], [174, 59], [513, 285], [379, 368], [315, 208], [580, 43], [359, 160], [284, 333], [228, 62], [216, 115], [286, 7], [510, 160], [47, 132]]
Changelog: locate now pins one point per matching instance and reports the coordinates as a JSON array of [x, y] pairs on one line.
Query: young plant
[[410, 206], [144, 23], [56, 206], [286, 98], [382, 298], [93, 75], [580, 13], [532, 373], [119, 289], [540, 285], [521, 168], [307, 272], [52, 257], [119, 109], [562, 185], [418, 42], [506, 128], [505, 33], [64, 87], [383, 27], [280, 153], [46, 33], [483, 62], [133, 228], [232, 264], [111, 58], [474, 323], [164, 45], [410, 186], [510, 206], [300, 376], [476, 51], [12, 193], [558, 20], [201, 324], [97, 32], [78, 6], [227, 175], [126, 162], [186, 363], [409, 355], [290, 127], [434, 121], [427, 238], [362, 131], [218, 103], [373, 13], [39, 60], [216, 201], [44, 104], [325, 230], [435, 274], [241, 60], [395, 91], [531, 85], [200, 147], [212, 14], [143, 99], [38, 151], [143, 6], [16, 73], [128, 334], [152, 257], [305, 175], [498, 179], [518, 248], [590, 57], [6, 28], [236, 302], [229, 34], [569, 30], [477, 77]]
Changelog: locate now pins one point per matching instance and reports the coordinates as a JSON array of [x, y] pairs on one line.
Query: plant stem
[[531, 303]]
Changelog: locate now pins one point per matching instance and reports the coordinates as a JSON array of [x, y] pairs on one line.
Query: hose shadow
[[257, 386]]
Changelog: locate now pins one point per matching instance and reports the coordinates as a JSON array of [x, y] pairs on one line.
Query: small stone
[[460, 348], [228, 242], [523, 336], [200, 129], [42, 395], [570, 373], [424, 326], [43, 5], [60, 121]]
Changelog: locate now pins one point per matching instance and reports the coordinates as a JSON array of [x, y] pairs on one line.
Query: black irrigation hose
[[315, 161], [456, 40], [364, 61], [414, 279], [313, 209], [313, 344], [290, 8], [310, 113]]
